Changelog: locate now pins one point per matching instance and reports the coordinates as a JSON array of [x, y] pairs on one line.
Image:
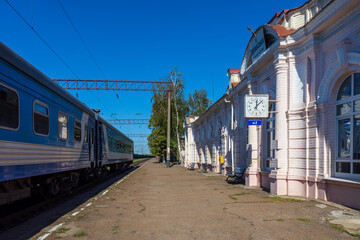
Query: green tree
[[198, 102], [158, 118]]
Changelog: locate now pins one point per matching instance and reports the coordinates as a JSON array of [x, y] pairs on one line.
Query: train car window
[[86, 133], [77, 130], [62, 126], [40, 118], [9, 105]]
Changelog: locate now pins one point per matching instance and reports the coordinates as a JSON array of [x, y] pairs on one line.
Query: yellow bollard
[[221, 159]]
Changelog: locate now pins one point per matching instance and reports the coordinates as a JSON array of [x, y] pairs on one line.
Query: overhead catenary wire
[[82, 39], [48, 45], [85, 45], [41, 38]]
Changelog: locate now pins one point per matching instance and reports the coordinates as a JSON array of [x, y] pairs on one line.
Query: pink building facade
[[307, 60]]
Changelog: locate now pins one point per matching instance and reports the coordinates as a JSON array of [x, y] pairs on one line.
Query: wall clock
[[257, 106]]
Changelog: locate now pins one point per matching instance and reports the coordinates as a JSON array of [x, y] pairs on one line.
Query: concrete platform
[[155, 202]]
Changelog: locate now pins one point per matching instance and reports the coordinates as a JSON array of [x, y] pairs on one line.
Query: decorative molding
[[334, 68], [341, 52], [353, 58], [326, 82]]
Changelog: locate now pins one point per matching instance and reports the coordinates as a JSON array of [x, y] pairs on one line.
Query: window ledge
[[342, 180]]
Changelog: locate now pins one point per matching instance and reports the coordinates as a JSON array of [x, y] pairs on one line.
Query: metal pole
[[168, 131]]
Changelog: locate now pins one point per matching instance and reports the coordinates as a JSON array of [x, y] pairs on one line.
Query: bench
[[191, 166], [236, 176]]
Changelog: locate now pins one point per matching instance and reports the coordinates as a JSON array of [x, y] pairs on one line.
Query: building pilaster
[[278, 183]]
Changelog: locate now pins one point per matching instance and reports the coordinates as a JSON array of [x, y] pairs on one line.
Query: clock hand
[[257, 104]]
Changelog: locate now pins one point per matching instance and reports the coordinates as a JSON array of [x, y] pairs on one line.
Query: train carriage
[[118, 148], [48, 138]]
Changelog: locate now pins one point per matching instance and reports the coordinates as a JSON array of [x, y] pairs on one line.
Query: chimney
[[234, 77]]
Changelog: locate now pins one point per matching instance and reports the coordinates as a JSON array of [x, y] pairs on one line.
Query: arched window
[[347, 161]]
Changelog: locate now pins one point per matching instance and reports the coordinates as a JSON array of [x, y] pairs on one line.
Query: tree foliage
[[158, 118], [198, 102]]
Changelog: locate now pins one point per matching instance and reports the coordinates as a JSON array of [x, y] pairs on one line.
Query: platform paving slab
[[156, 202]]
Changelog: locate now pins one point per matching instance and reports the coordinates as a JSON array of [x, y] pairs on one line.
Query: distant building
[[308, 60]]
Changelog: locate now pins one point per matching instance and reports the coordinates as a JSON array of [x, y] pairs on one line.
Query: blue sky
[[137, 40]]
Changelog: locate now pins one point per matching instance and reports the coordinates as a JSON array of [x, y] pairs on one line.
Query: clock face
[[256, 106]]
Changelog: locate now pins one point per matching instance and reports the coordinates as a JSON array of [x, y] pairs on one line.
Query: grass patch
[[112, 199], [115, 227], [139, 159], [80, 217], [82, 234], [224, 209], [277, 199], [232, 197], [338, 227], [357, 235], [142, 208], [241, 194], [236, 194], [303, 219], [279, 220], [63, 230], [216, 189]]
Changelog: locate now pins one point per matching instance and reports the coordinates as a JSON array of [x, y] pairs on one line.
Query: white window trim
[[19, 117], [48, 116], [57, 122], [350, 116]]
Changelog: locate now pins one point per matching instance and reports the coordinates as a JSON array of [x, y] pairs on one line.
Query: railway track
[[24, 211]]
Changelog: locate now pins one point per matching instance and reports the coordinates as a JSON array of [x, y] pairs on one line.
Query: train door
[[91, 146], [97, 144], [100, 144]]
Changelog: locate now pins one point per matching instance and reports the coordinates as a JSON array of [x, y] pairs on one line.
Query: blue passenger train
[[49, 140]]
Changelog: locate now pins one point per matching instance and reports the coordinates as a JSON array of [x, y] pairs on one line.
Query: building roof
[[282, 31], [233, 70], [285, 11]]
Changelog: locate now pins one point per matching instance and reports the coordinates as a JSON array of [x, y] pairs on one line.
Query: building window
[[41, 118], [270, 136], [62, 126], [9, 105], [347, 161], [77, 130]]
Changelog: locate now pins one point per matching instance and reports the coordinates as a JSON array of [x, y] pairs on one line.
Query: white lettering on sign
[[257, 45]]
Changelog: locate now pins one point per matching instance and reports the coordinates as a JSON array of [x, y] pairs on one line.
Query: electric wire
[[41, 38], [86, 46], [82, 39], [48, 45]]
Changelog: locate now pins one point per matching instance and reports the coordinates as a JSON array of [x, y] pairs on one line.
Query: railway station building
[[307, 60]]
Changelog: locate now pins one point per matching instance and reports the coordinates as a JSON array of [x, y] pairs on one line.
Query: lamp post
[[168, 130]]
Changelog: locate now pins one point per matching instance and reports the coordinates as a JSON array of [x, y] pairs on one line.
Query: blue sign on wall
[[254, 122]]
